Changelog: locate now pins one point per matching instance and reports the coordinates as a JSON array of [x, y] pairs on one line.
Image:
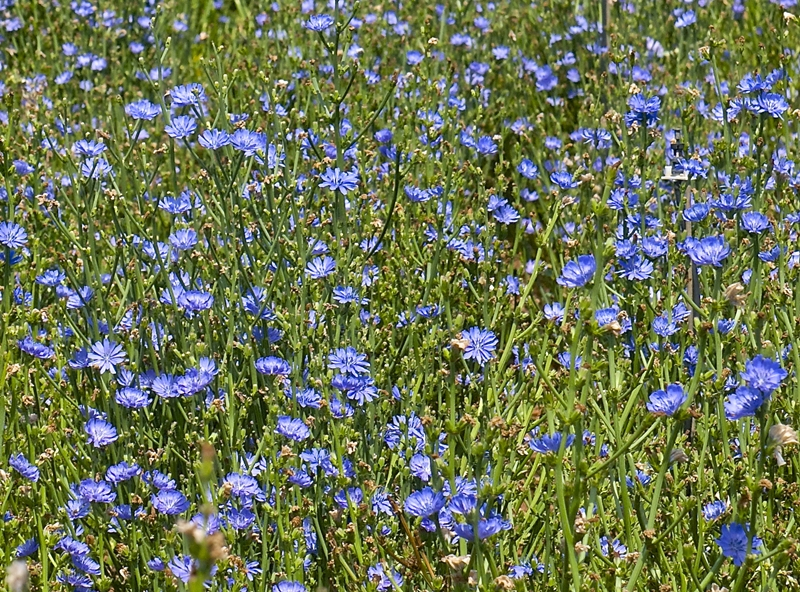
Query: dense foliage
[[347, 296]]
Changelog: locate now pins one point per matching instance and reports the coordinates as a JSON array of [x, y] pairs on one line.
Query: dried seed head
[[504, 583], [472, 580], [580, 524], [17, 576], [217, 550], [459, 343], [735, 294], [678, 456], [191, 530], [781, 435], [456, 562]]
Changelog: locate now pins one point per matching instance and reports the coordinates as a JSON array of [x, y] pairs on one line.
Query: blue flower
[[382, 581], [564, 180], [273, 366], [636, 268], [100, 433], [576, 274], [643, 110], [666, 403], [772, 104], [414, 57], [96, 168], [506, 214], [733, 542], [106, 355], [318, 23], [348, 361], [51, 278], [156, 564], [183, 567], [696, 213], [755, 222], [565, 359], [248, 142], [289, 586], [132, 398], [527, 169], [663, 327], [37, 350], [188, 95], [403, 432], [320, 267], [292, 428], [481, 344], [424, 503], [71, 546], [487, 527], [27, 549], [122, 472], [743, 402], [763, 374], [550, 443], [96, 491], [352, 496], [752, 84], [554, 312], [12, 235], [336, 180], [143, 109], [420, 466], [86, 564], [184, 239], [182, 126], [214, 139], [712, 250], [486, 146], [615, 549], [520, 571], [685, 19], [714, 510], [170, 502], [19, 463], [606, 316], [243, 487], [195, 300]]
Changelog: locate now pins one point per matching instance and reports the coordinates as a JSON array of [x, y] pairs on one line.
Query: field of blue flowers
[[351, 296]]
